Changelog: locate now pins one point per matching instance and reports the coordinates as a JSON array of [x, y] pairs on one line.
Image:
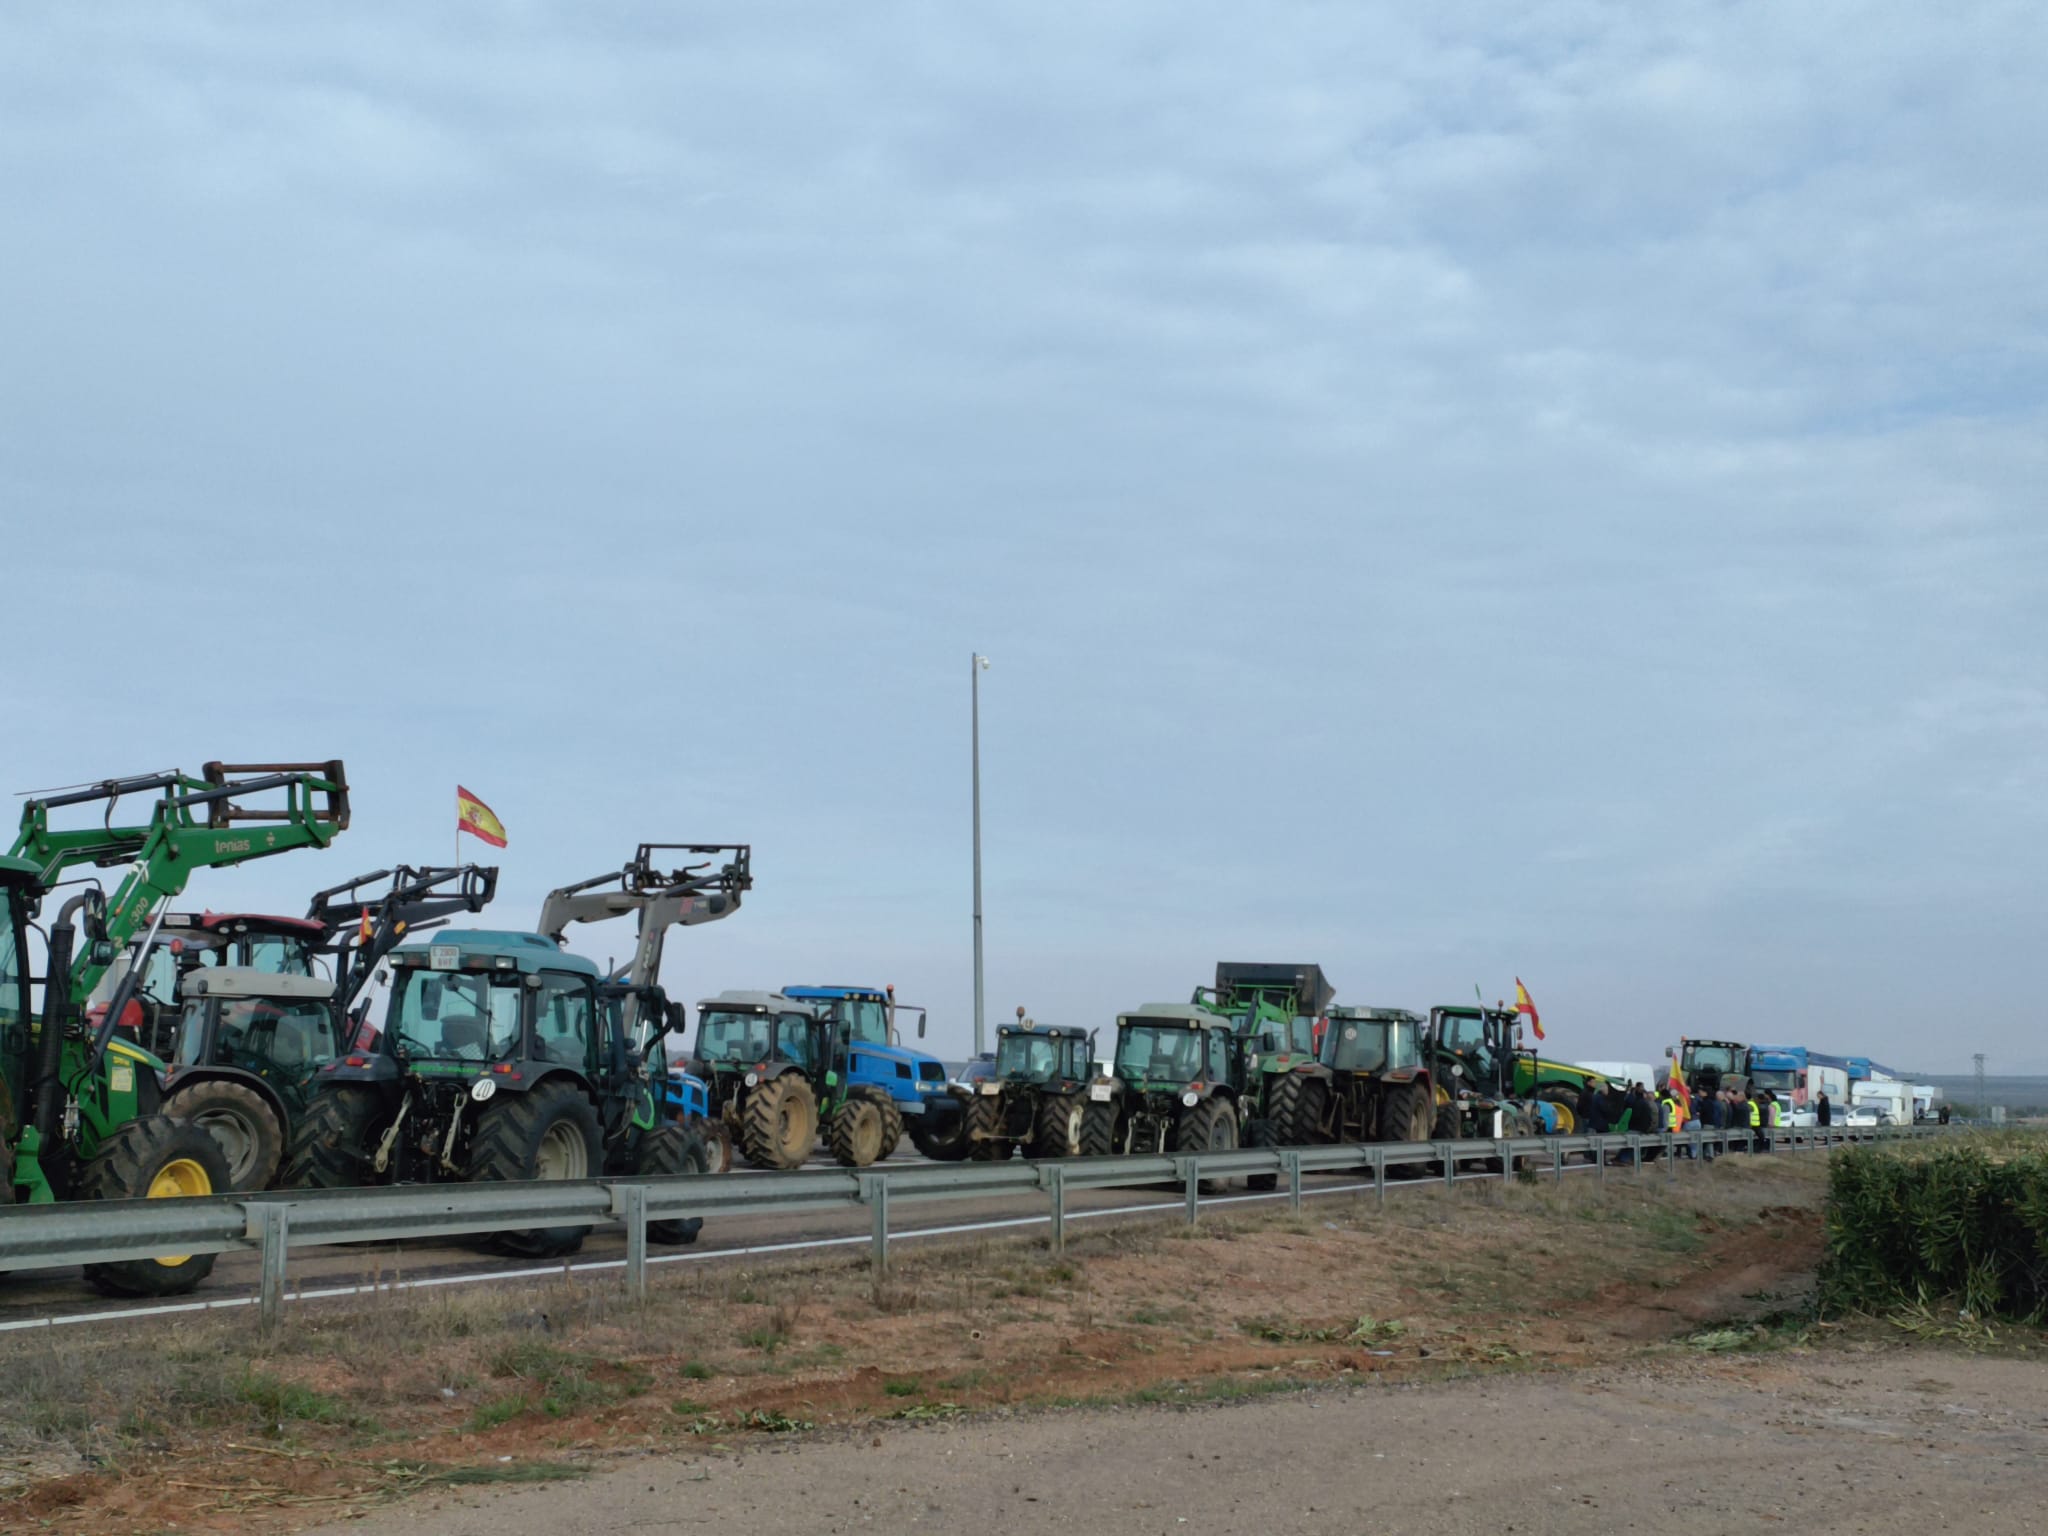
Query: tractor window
[[279, 956], [1219, 1056], [1359, 1045], [1077, 1063], [1403, 1051], [1026, 1057], [1301, 1035], [261, 1033], [730, 1036], [1158, 1054], [793, 1040], [13, 964], [867, 1018], [458, 1015], [561, 1020]]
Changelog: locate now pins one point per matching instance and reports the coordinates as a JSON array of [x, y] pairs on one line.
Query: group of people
[[1619, 1111]]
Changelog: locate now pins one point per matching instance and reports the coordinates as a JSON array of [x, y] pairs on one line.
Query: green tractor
[[1176, 1084], [81, 1110], [1476, 1068], [1036, 1096], [1377, 1084], [781, 1070], [1276, 1011]]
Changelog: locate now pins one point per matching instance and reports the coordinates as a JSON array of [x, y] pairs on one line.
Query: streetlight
[[978, 666]]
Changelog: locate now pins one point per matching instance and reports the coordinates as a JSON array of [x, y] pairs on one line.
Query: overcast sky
[[1450, 491]]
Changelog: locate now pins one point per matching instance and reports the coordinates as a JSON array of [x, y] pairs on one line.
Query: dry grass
[[373, 1399]]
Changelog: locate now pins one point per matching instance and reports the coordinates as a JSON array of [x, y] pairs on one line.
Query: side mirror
[[1269, 1042], [677, 1016], [1669, 1054], [920, 1026]]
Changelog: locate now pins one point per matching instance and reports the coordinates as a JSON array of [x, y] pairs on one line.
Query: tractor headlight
[[1191, 1099], [753, 1079], [925, 1087]]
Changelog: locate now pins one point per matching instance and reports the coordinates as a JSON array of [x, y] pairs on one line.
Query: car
[[972, 1072]]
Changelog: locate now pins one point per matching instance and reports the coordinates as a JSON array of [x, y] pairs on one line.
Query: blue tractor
[[930, 1110]]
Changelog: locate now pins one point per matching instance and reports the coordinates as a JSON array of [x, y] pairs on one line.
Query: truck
[[1798, 1077], [1891, 1101], [925, 1104], [81, 1112]]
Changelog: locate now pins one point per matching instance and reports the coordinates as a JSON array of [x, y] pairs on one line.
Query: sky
[[1449, 493]]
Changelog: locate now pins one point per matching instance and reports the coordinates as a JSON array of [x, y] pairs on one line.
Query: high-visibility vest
[[1756, 1115], [1671, 1116], [1774, 1112]]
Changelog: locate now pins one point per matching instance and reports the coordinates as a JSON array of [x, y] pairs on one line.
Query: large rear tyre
[[246, 1124], [1211, 1126], [940, 1133], [1407, 1113], [670, 1150], [1056, 1131], [1098, 1129], [985, 1142], [716, 1138], [779, 1125], [332, 1144], [1265, 1135], [1566, 1102], [855, 1134], [154, 1158], [549, 1133]]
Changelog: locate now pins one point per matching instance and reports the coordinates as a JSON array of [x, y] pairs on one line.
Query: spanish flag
[[1680, 1091], [474, 817], [1526, 1007]]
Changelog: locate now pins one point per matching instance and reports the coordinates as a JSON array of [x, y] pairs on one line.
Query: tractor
[[931, 1110], [782, 1069], [1175, 1085], [660, 900], [501, 1057], [1277, 1011], [1711, 1065], [1377, 1085], [81, 1112], [1035, 1096], [1475, 1066], [255, 1021]]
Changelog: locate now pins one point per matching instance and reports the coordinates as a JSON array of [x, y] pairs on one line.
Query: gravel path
[[1883, 1441]]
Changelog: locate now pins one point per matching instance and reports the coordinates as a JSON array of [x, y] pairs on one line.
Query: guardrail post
[[1292, 1162], [272, 1222], [1450, 1170], [1635, 1152], [1192, 1167], [1556, 1163], [1600, 1155], [1056, 1186], [1670, 1158], [1379, 1175], [875, 1190], [632, 1208]]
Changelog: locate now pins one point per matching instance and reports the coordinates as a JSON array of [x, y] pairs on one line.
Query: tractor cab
[[739, 1031], [192, 941], [863, 1024], [1166, 1046], [1041, 1054], [1711, 1065], [1478, 1045], [18, 889], [1278, 1007], [1372, 1040]]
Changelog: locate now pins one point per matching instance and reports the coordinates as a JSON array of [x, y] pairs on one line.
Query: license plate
[[445, 957]]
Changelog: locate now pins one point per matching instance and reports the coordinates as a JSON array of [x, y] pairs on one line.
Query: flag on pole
[[1526, 1007], [1680, 1091], [477, 819]]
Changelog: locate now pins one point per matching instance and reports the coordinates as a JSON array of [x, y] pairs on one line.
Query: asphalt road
[[1893, 1440]]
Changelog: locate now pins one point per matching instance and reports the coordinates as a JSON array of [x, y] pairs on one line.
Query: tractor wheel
[[1264, 1134], [941, 1135], [985, 1142], [779, 1125], [1211, 1126], [1311, 1103], [1058, 1128], [154, 1158], [855, 1134], [669, 1150], [716, 1138], [334, 1140], [548, 1133], [892, 1127], [1565, 1102], [1098, 1129], [247, 1126], [1284, 1100], [1406, 1113]]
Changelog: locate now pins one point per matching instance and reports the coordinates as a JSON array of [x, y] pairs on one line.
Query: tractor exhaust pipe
[[46, 1088]]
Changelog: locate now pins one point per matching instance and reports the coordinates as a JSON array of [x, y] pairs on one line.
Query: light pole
[[978, 666]]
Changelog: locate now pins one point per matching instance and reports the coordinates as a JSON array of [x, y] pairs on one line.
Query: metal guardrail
[[273, 1223]]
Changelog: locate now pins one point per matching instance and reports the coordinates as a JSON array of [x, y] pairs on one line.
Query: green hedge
[[1955, 1225]]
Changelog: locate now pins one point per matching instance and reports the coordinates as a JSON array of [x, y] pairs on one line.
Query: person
[[1713, 1115], [1941, 1114], [1595, 1119], [1582, 1110], [1823, 1111], [1754, 1113], [1642, 1117]]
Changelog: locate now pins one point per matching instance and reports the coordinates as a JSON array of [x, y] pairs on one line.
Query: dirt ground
[[1892, 1440], [388, 1413]]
